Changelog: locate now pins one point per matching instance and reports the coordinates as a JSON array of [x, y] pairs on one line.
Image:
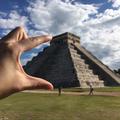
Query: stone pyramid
[[65, 63]]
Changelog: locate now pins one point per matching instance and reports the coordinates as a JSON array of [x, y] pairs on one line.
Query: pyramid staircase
[[65, 63], [84, 73]]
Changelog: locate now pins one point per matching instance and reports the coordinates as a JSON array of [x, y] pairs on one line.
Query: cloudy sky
[[97, 22]]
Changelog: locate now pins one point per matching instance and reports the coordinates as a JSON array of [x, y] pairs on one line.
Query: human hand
[[12, 76]]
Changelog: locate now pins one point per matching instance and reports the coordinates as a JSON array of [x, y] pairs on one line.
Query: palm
[[12, 76]]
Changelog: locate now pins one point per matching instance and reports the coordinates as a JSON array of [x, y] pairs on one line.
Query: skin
[[12, 76]]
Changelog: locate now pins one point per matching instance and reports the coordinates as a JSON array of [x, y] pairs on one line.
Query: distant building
[[65, 63]]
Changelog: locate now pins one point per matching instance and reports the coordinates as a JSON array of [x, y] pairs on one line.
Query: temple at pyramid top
[[66, 63], [67, 37]]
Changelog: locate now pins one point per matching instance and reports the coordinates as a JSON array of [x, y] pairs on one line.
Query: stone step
[[73, 51], [89, 71], [95, 76], [79, 67], [87, 78], [78, 61], [74, 55], [84, 66], [83, 74], [81, 63], [71, 46], [94, 83], [81, 71], [86, 75], [100, 81], [84, 71], [78, 58]]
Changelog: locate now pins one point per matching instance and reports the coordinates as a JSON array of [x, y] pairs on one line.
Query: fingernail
[[49, 37]]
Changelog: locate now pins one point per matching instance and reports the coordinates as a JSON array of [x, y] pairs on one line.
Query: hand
[[12, 76]]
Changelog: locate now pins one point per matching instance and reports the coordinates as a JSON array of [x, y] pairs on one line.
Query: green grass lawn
[[33, 106]]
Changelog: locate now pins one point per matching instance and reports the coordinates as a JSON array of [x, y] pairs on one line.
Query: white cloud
[[25, 60], [107, 17], [13, 20], [2, 14], [104, 43], [116, 3], [28, 58], [56, 16]]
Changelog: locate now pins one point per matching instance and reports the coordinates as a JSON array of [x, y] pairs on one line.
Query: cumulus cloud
[[2, 14], [28, 57], [58, 16], [104, 43], [116, 3], [13, 19], [25, 60]]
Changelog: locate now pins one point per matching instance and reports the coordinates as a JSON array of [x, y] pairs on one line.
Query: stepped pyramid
[[65, 63]]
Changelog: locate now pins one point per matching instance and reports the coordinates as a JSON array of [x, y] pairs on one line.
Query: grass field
[[33, 106], [104, 89]]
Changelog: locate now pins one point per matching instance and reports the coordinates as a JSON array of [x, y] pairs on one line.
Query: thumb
[[38, 83]]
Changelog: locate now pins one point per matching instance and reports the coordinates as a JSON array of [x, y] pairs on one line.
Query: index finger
[[33, 42]]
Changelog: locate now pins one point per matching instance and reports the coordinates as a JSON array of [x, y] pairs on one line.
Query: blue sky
[[95, 21]]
